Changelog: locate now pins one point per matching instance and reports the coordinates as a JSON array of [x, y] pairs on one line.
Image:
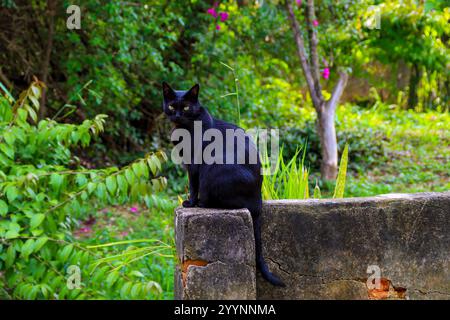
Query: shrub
[[366, 144], [44, 191]]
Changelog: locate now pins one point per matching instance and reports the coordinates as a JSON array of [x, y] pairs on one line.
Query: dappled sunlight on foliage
[[85, 176]]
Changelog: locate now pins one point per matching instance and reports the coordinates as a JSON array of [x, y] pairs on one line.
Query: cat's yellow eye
[[171, 108], [186, 108]]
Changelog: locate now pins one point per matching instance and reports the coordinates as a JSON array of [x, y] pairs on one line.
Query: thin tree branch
[[303, 57], [313, 41], [337, 91]]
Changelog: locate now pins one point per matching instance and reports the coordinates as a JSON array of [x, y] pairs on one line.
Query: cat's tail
[[260, 262]]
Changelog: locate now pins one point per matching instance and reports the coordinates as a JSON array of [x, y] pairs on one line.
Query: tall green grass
[[342, 175], [290, 180]]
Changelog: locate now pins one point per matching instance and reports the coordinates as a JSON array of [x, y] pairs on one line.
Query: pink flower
[[326, 73], [299, 2], [315, 23], [212, 11], [134, 209], [217, 27], [223, 16]]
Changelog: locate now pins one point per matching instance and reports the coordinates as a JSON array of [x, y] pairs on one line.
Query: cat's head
[[182, 107]]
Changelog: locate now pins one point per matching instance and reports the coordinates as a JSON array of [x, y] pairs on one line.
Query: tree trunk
[[51, 7], [402, 75], [325, 110], [327, 131], [328, 142], [414, 80]]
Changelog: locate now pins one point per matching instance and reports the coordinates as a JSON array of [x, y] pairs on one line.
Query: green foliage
[[235, 93], [126, 49], [412, 35], [43, 193], [291, 180], [417, 153], [115, 64], [342, 174], [367, 142], [288, 181]]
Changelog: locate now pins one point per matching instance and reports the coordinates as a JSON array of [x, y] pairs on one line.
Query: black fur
[[229, 186]]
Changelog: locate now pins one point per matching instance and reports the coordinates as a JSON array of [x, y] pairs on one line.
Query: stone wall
[[321, 249]]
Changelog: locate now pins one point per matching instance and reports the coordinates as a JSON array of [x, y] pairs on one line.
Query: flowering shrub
[[43, 194], [223, 15], [326, 73]]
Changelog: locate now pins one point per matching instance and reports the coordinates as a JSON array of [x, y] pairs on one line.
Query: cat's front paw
[[188, 204]]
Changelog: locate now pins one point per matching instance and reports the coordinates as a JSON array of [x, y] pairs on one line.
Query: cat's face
[[182, 107]]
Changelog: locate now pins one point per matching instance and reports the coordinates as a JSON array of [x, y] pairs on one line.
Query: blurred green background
[[394, 115]]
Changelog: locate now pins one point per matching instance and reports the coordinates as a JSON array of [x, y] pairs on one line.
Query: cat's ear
[[192, 94], [168, 92]]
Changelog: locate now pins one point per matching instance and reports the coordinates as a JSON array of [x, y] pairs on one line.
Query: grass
[[417, 152], [291, 180], [116, 224]]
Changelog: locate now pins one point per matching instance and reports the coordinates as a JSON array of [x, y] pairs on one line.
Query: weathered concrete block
[[322, 248], [216, 253]]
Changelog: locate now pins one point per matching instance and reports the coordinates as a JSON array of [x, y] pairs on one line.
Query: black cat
[[228, 186]]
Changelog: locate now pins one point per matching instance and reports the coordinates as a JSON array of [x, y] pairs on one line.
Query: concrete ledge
[[216, 252], [321, 249]]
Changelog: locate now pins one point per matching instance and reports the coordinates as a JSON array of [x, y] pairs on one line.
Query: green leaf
[[85, 258], [124, 291], [135, 290], [11, 193], [9, 138], [11, 234], [122, 182], [342, 174], [40, 242], [137, 273], [81, 180], [137, 169], [27, 248], [14, 226], [7, 150], [65, 253], [99, 274], [32, 113], [10, 256], [35, 102], [56, 181], [36, 91], [112, 278], [101, 191], [144, 169], [36, 220], [129, 175], [154, 286], [156, 185], [111, 185], [152, 165], [3, 208], [91, 187], [317, 193]]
